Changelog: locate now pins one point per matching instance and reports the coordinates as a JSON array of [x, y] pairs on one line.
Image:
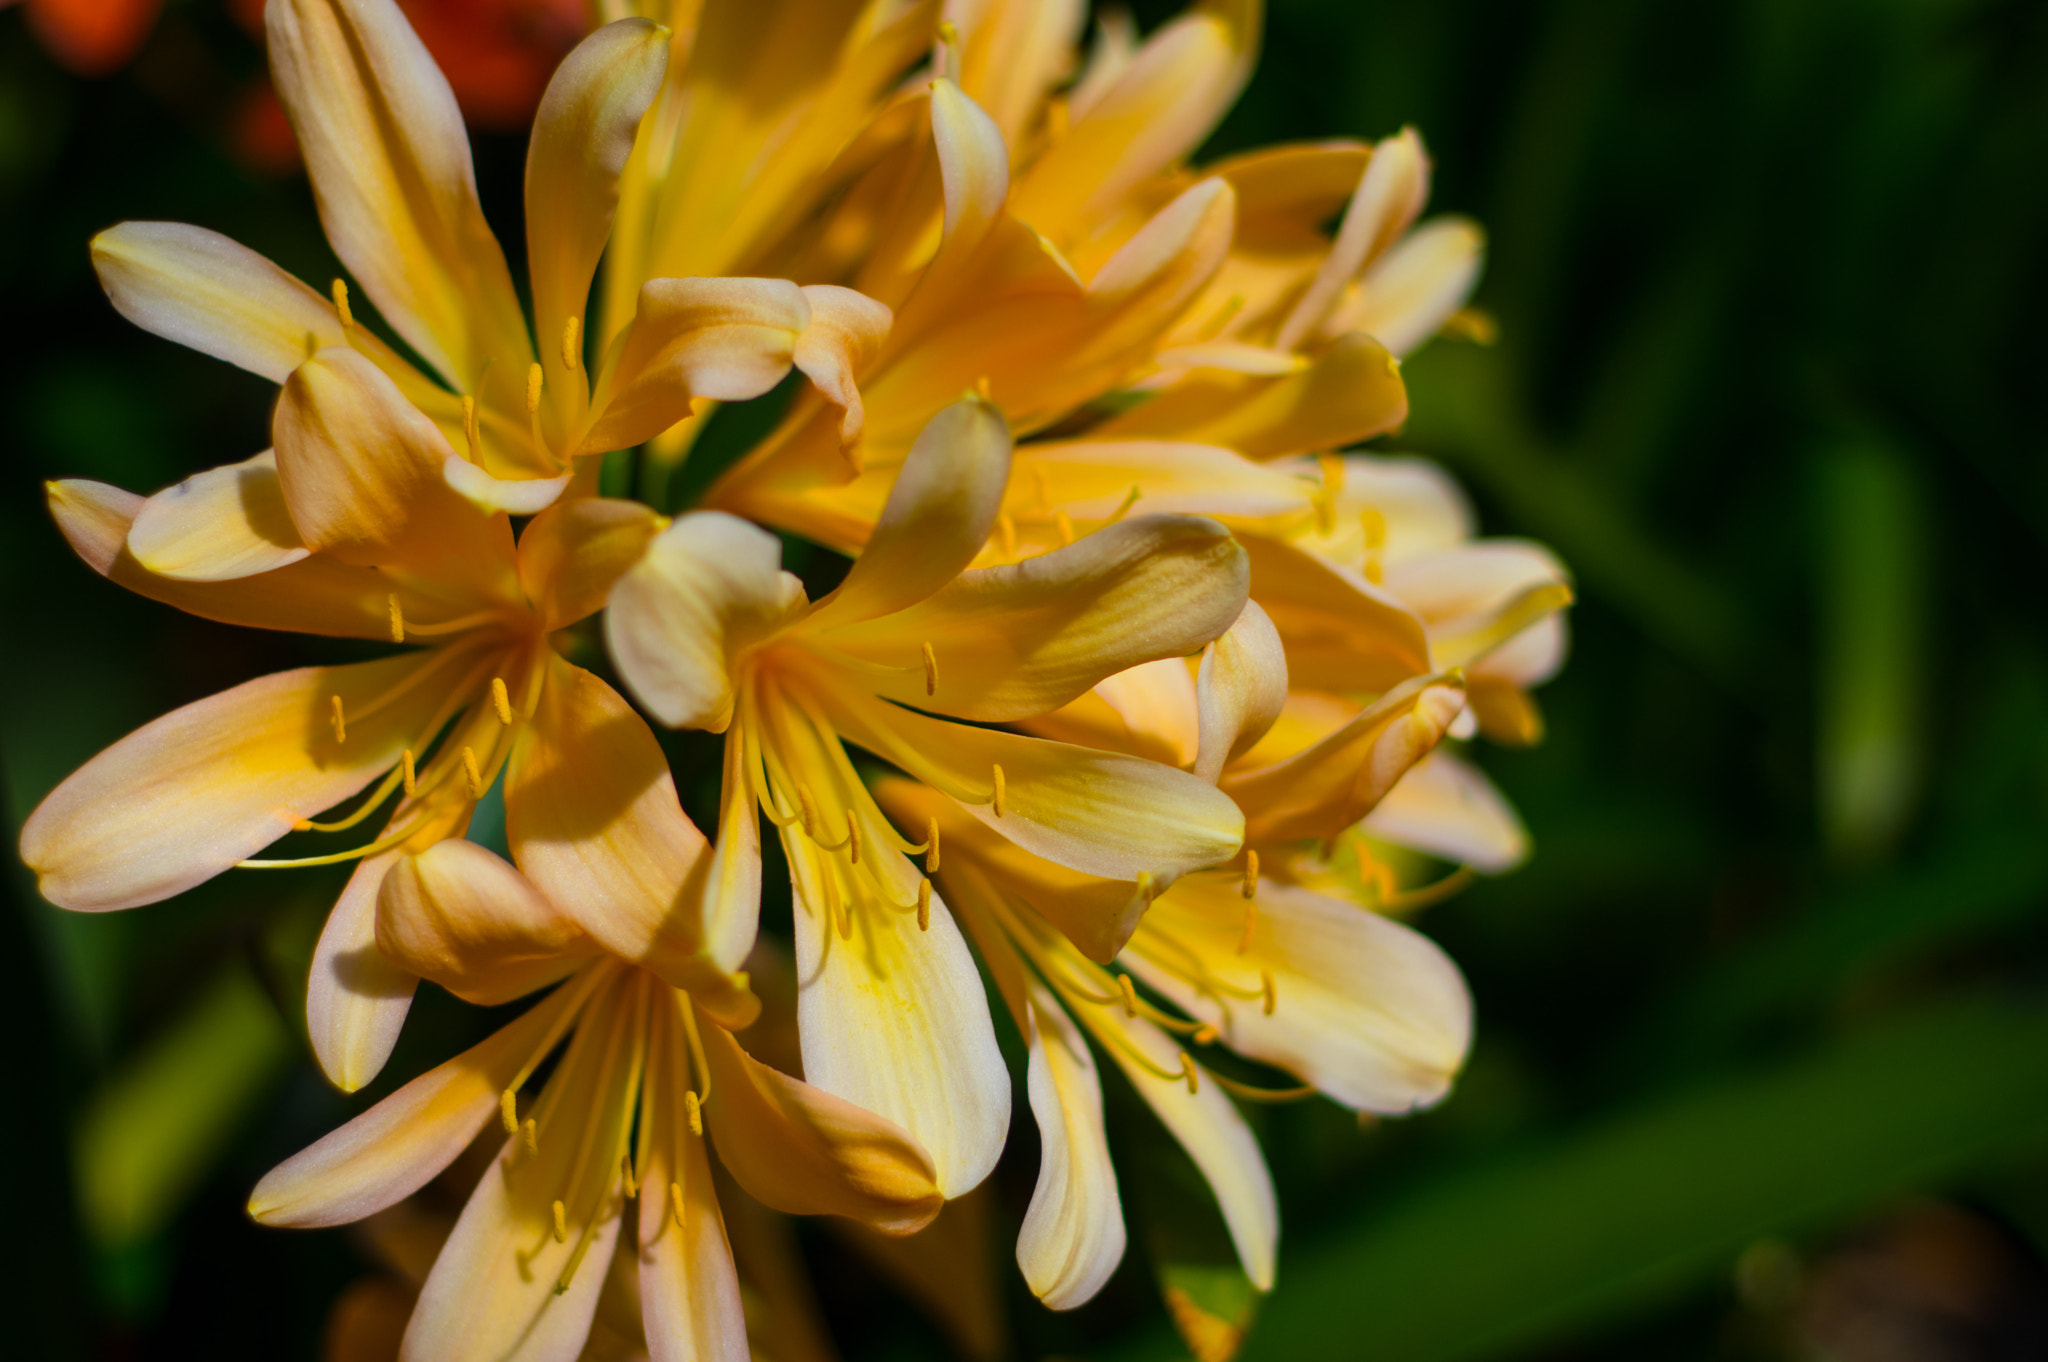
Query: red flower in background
[[90, 37]]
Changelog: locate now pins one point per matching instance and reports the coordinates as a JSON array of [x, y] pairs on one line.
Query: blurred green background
[[1762, 1067]]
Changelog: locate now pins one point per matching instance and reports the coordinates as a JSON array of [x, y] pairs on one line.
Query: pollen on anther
[[1205, 1035], [924, 905], [1251, 874], [997, 801], [508, 1111], [632, 1188], [931, 846], [572, 332], [475, 775], [1187, 1071], [561, 1223], [534, 378], [1251, 922], [338, 719], [1123, 983], [1270, 993], [931, 671], [397, 619], [530, 1132], [501, 701], [1065, 526], [693, 1110], [341, 304], [405, 763]]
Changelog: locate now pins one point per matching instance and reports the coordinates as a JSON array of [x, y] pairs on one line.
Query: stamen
[[702, 1067], [983, 391], [469, 769], [931, 671], [533, 382], [531, 1132], [1428, 893], [1374, 525], [631, 1188], [1065, 526], [924, 905], [693, 1108], [1252, 1094], [931, 843], [852, 839], [397, 619], [1374, 573], [1123, 982], [338, 719], [572, 332], [1269, 991], [575, 1261], [508, 1111], [1205, 1035], [947, 58], [1187, 1071], [1251, 922], [810, 808], [1130, 500], [675, 1204], [411, 776], [1008, 527], [561, 1223], [470, 435], [1251, 874], [502, 700], [997, 801], [341, 305]]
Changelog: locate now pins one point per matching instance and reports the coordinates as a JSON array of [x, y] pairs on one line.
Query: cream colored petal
[[181, 799], [356, 998], [709, 586], [1390, 194], [1447, 807], [845, 333], [1215, 1136], [800, 1150], [1492, 604], [731, 902], [459, 915], [937, 518], [1342, 634], [583, 132], [1409, 293], [225, 523], [1097, 812], [1156, 700], [1386, 510], [1331, 784], [1239, 690], [389, 160], [314, 596], [391, 1150], [1017, 641], [1092, 481], [1073, 1233], [571, 554], [1367, 1010], [593, 819], [514, 496]]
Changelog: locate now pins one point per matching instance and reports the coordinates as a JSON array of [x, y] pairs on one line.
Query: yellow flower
[[390, 168], [644, 1078], [710, 634]]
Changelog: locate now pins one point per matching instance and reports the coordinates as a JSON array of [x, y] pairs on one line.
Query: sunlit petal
[[459, 915], [1073, 1233], [215, 526]]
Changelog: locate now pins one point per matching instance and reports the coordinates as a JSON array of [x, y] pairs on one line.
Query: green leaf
[[1209, 1298]]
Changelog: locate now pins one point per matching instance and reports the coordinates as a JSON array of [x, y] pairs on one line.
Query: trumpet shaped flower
[[709, 633]]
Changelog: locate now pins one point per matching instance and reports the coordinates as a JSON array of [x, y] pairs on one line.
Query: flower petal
[[1018, 641], [1342, 634], [1410, 292], [1097, 812], [1239, 690], [1156, 701], [1366, 1009], [225, 523], [185, 797], [515, 495], [709, 586], [1073, 1233], [1331, 784], [593, 819], [393, 1149], [1392, 508], [845, 333], [389, 161], [1095, 481], [1389, 195], [801, 1150], [1447, 807], [356, 999], [459, 915], [572, 553]]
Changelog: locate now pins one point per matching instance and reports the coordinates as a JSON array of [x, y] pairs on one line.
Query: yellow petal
[[356, 999], [1157, 707], [513, 495], [1073, 1233], [1410, 292], [593, 819], [361, 472], [1367, 1010], [1352, 392], [1097, 812], [315, 596], [389, 160], [1389, 195], [1328, 786], [1342, 634], [845, 332], [1017, 641], [1482, 599], [709, 586], [572, 553], [582, 134], [1448, 808], [1093, 481], [457, 914], [1239, 690], [1175, 89], [936, 520], [391, 1150], [1012, 57], [1391, 509], [215, 526], [181, 799], [802, 1151]]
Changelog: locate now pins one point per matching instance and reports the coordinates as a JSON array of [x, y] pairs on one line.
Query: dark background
[[1762, 1067]]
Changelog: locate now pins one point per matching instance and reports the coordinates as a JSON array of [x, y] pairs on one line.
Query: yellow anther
[[1130, 500], [533, 382], [1374, 525], [472, 433], [924, 905], [561, 1223], [1187, 1071], [931, 846], [1332, 469], [1373, 572], [1204, 1035], [501, 701], [572, 333], [810, 808], [948, 34], [1001, 790], [310, 345], [397, 619], [1251, 874], [1065, 526], [931, 671], [406, 767], [341, 304], [476, 776], [1123, 982], [1251, 922], [675, 1204], [508, 1111], [531, 1133], [337, 718], [302, 825], [852, 839], [632, 1188], [693, 1108], [1008, 528], [982, 389], [1268, 991]]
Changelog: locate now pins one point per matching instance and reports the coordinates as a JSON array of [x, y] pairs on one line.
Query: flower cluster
[[1135, 694]]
